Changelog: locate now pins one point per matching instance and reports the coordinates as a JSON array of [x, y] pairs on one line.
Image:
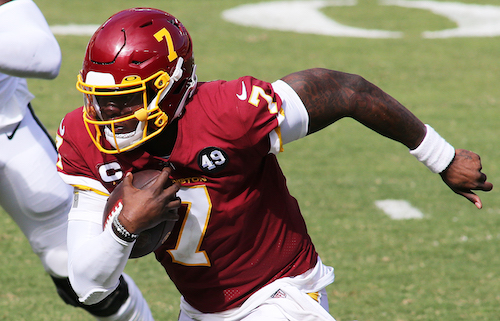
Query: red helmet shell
[[126, 44], [139, 49]]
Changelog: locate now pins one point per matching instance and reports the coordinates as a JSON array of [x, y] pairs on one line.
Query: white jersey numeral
[[187, 250]]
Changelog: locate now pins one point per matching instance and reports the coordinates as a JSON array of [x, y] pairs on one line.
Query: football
[[150, 239]]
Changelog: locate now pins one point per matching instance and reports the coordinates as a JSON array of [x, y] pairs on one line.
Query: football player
[[240, 248], [31, 191]]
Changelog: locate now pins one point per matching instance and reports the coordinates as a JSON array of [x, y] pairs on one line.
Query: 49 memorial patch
[[212, 160]]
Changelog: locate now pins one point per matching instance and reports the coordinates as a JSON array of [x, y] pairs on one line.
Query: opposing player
[[31, 191], [240, 249]]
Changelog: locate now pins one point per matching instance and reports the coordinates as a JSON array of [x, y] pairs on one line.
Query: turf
[[443, 267]]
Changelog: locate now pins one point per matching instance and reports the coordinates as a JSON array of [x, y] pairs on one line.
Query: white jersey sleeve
[[96, 257], [29, 49], [294, 122]]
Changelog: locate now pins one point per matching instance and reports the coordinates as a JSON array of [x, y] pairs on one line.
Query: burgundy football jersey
[[239, 227]]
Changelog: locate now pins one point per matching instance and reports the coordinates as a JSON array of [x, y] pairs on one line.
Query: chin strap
[[193, 81]]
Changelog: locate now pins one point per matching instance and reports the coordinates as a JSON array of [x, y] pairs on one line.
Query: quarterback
[[240, 248]]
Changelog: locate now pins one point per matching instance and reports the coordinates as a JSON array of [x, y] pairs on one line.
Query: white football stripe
[[399, 209], [74, 30]]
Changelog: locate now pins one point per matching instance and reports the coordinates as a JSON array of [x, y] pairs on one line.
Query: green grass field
[[442, 267]]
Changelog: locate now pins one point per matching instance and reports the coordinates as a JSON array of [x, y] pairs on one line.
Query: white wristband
[[434, 151]]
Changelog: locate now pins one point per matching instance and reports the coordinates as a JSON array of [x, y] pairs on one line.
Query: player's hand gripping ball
[[150, 239]]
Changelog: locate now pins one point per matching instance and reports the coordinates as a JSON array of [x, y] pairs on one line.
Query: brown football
[[150, 239]]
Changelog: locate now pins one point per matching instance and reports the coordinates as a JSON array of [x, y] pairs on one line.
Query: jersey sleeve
[[261, 111], [269, 111], [295, 123], [75, 168], [248, 111]]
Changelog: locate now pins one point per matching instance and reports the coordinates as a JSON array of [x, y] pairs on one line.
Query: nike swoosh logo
[[9, 137], [243, 95]]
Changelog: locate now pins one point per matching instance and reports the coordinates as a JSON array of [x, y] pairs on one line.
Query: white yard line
[[399, 209], [74, 30], [473, 20], [300, 17]]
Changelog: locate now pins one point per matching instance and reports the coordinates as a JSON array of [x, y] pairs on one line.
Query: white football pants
[[265, 312], [38, 200], [33, 194]]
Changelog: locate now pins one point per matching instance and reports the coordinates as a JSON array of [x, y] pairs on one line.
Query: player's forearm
[[96, 257], [96, 265], [331, 95]]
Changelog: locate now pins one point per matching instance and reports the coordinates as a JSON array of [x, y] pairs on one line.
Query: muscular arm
[[331, 95]]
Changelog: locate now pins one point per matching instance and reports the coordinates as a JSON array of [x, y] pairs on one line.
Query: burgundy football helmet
[[143, 58]]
